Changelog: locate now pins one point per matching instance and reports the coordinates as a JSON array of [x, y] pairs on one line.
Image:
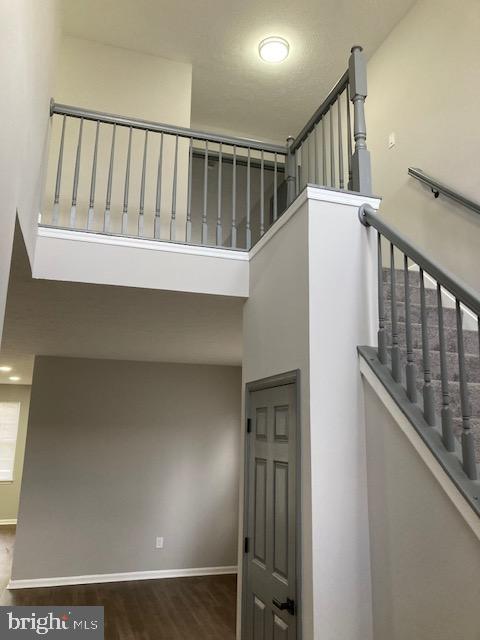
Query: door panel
[[270, 515]]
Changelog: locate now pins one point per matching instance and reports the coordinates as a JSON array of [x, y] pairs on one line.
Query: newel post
[[290, 172], [361, 168]]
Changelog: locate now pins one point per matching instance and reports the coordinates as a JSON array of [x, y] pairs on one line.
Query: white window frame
[[7, 473]]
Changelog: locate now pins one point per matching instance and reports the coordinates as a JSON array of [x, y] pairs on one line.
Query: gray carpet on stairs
[[471, 345]]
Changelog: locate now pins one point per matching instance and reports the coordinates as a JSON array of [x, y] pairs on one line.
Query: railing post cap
[[356, 47], [362, 213]]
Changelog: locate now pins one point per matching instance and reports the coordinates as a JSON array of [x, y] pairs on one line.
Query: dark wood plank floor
[[200, 608]]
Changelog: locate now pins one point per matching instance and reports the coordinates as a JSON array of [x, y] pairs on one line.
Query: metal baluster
[[428, 396], [315, 139], [73, 210], [340, 146], [349, 139], [410, 368], [173, 218], [126, 187], [262, 194], [248, 231], [205, 197], [396, 366], [158, 195], [56, 199], [446, 412], [91, 211], [234, 198], [324, 153], [382, 336], [219, 204], [468, 442], [188, 233], [108, 198], [275, 189], [332, 150], [141, 208]]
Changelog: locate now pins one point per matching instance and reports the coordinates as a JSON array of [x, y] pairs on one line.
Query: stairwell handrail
[[183, 132], [468, 296], [438, 187]]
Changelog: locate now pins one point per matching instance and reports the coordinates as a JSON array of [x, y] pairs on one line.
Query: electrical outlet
[[391, 140], [159, 542]]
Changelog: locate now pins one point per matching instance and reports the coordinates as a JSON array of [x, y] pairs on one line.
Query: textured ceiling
[[233, 90], [95, 321]]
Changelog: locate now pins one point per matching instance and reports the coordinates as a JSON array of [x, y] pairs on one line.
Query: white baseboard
[[8, 521], [120, 577]]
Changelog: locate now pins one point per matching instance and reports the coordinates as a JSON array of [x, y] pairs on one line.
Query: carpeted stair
[[472, 359]]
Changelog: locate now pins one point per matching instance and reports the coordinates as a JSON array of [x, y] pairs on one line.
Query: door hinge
[[249, 425], [246, 545]]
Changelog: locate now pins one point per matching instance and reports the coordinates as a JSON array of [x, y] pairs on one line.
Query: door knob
[[289, 605]]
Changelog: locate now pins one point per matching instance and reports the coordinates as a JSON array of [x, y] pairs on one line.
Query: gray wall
[[425, 559], [121, 452], [422, 86], [10, 491]]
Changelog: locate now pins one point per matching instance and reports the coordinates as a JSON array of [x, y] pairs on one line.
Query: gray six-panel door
[[271, 589]]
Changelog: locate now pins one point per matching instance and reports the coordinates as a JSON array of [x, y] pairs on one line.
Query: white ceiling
[[95, 321], [233, 90]]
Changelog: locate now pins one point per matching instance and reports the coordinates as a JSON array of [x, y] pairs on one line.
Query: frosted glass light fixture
[[274, 49]]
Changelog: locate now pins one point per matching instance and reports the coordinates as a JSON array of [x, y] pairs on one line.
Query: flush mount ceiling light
[[274, 49], [5, 369], [14, 378]]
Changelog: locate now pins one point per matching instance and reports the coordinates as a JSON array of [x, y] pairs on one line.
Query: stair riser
[[472, 365], [413, 277], [430, 295], [469, 338], [449, 315], [454, 398]]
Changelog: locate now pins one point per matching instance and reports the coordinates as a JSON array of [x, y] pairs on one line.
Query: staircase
[[472, 352]]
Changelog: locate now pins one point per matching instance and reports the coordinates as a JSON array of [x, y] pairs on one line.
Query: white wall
[[121, 452], [10, 491], [425, 557], [275, 339], [128, 83], [308, 309], [423, 85], [28, 38], [83, 257]]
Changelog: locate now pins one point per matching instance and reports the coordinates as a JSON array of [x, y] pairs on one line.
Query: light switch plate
[[391, 140], [159, 542]]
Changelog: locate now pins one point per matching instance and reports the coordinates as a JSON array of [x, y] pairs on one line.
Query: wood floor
[[171, 609]]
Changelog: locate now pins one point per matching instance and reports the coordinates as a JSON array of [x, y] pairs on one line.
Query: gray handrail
[[321, 111], [468, 296], [183, 132], [438, 187]]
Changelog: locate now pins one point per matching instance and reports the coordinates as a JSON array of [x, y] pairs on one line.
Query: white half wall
[[76, 256], [309, 307]]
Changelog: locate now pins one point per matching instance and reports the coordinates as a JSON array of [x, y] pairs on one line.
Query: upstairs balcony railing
[[124, 176]]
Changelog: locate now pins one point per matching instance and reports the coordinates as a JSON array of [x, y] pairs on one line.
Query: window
[[9, 414]]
